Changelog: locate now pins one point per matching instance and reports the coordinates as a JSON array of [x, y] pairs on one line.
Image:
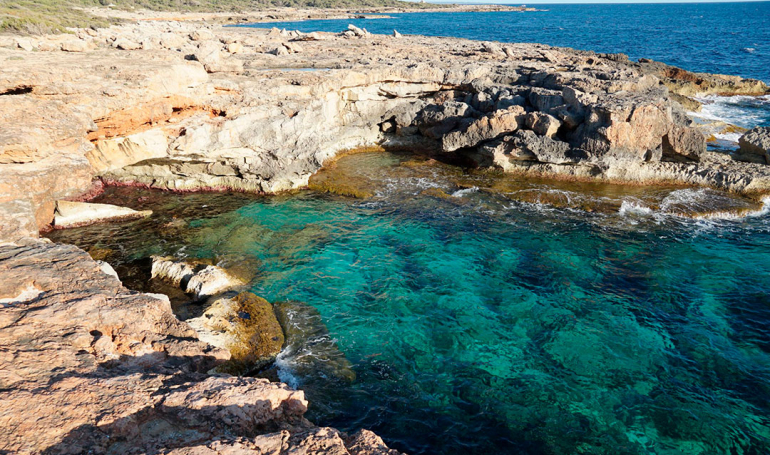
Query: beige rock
[[246, 326], [126, 44], [73, 214], [235, 48], [74, 45], [24, 44]]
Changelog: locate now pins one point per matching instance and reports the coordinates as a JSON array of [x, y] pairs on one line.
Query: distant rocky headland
[[90, 366]]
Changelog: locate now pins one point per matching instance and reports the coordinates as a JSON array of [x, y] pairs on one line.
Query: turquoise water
[[477, 321]]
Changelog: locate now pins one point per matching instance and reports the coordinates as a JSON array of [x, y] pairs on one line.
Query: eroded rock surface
[[87, 366], [755, 146], [72, 214]]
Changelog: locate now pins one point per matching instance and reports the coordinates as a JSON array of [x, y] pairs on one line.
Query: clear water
[[478, 320]]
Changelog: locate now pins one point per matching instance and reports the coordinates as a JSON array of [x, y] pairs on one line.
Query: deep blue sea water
[[727, 38]]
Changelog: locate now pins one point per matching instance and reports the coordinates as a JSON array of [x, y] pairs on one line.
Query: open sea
[[462, 312]]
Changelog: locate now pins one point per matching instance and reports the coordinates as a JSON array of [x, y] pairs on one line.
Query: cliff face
[[178, 106]]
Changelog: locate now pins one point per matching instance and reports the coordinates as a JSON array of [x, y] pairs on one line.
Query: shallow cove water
[[479, 320]]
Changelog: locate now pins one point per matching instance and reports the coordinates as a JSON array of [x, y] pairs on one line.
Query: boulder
[[201, 35], [73, 214], [755, 146], [171, 40], [359, 32], [542, 124], [527, 146], [246, 326], [396, 34], [24, 44], [210, 54], [194, 277], [683, 144], [491, 126], [126, 44], [74, 45], [234, 48]]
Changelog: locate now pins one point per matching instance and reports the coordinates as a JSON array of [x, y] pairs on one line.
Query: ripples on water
[[476, 319]]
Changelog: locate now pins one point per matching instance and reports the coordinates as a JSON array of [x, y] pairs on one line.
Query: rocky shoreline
[[186, 106]]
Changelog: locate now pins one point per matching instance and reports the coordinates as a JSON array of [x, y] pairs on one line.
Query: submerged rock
[[310, 351], [246, 326], [73, 214]]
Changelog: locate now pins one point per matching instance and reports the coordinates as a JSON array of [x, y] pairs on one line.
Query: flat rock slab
[[73, 214]]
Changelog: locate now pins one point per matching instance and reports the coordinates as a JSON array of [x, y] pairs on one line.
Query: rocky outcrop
[[89, 366], [73, 214], [246, 326], [198, 279], [755, 146]]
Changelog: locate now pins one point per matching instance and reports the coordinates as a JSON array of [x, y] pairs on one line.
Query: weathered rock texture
[[87, 366], [755, 146], [71, 214], [239, 118]]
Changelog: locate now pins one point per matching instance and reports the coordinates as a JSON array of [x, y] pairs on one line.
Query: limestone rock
[[73, 214], [210, 54], [74, 45], [246, 326], [488, 127], [396, 34], [197, 278], [542, 124], [683, 144], [24, 44], [170, 40], [126, 44], [755, 146], [527, 146], [201, 35], [358, 32], [234, 48]]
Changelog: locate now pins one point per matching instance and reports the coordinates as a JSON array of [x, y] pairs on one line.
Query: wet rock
[[73, 214], [198, 279], [246, 326], [527, 146], [310, 351], [755, 146]]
